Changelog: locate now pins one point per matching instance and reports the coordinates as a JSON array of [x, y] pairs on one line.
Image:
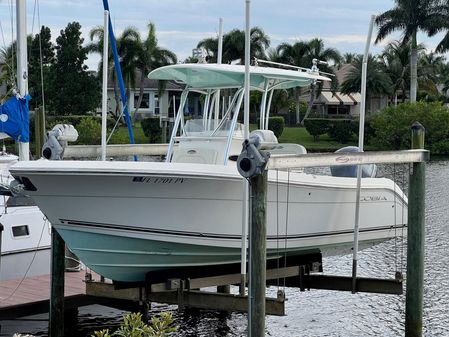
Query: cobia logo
[[342, 159]]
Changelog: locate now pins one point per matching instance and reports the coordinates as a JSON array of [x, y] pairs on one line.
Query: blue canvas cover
[[14, 118]]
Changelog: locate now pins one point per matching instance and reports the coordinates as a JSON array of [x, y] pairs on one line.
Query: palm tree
[[377, 81], [317, 51], [294, 54], [396, 63], [348, 58], [96, 36], [409, 16], [234, 45], [430, 72], [150, 56]]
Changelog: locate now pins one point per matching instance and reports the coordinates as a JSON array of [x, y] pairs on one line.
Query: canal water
[[319, 313]]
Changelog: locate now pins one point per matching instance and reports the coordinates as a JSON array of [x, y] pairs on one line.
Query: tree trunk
[[117, 98], [413, 69], [139, 101], [298, 117], [310, 103]]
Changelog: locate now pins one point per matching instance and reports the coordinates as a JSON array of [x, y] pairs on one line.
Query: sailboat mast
[[22, 66]]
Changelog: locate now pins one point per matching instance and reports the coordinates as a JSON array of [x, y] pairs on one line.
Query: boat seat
[[287, 148], [198, 156]]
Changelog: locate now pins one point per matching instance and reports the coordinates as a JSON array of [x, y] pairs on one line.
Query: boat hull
[[124, 221]]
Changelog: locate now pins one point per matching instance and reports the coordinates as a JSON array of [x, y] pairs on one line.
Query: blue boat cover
[[14, 118]]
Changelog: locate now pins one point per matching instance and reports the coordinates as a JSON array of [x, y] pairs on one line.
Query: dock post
[[415, 241], [257, 248], [56, 322]]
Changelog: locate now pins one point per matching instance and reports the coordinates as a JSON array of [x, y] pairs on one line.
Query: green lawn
[[120, 135], [301, 136]]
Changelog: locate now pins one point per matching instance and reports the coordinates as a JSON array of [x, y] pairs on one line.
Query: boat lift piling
[[180, 287], [415, 241], [56, 321]]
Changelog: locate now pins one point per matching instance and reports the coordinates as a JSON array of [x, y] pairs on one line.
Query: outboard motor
[[350, 171], [57, 140]]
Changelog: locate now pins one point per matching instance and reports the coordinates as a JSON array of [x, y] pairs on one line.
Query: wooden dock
[[31, 295]]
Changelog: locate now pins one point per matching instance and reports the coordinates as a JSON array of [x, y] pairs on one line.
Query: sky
[[181, 24]]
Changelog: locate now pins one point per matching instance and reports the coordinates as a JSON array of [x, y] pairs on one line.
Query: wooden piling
[[56, 322], [415, 241], [257, 247]]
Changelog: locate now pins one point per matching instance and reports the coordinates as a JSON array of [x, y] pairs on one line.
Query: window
[[156, 104], [20, 201], [22, 230], [145, 104]]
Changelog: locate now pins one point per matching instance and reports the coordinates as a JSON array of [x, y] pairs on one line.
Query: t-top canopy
[[209, 76]]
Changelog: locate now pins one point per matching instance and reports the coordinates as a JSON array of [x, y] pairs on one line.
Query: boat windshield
[[200, 128]]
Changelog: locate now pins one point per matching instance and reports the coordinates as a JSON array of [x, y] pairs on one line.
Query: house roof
[[340, 74], [338, 98]]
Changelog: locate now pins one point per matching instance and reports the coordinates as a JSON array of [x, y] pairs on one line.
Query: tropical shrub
[[89, 132], [276, 124], [342, 130], [152, 129], [317, 127], [392, 126], [74, 120], [133, 326]]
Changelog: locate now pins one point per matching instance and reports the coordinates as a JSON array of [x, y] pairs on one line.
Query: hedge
[[392, 126], [152, 129], [317, 127], [276, 124], [342, 130]]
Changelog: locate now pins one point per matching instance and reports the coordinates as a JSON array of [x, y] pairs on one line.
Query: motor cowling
[[350, 171]]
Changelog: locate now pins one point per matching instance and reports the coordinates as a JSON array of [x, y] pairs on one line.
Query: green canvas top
[[209, 76]]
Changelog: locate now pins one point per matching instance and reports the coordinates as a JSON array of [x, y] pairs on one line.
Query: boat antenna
[[22, 67], [359, 167], [314, 69], [119, 76]]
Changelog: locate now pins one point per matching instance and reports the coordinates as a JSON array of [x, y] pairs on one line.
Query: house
[[335, 103], [155, 103]]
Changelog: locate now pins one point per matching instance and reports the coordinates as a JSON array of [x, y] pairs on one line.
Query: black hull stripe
[[222, 236], [22, 251]]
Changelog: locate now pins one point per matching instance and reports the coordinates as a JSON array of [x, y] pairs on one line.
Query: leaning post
[[251, 164], [56, 328], [415, 241]]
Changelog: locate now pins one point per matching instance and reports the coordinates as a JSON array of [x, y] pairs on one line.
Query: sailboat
[[25, 244], [25, 231], [125, 219]]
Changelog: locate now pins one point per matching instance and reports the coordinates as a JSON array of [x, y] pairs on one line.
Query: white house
[[155, 103]]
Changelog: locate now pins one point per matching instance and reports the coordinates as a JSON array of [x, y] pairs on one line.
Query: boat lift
[[183, 286]]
